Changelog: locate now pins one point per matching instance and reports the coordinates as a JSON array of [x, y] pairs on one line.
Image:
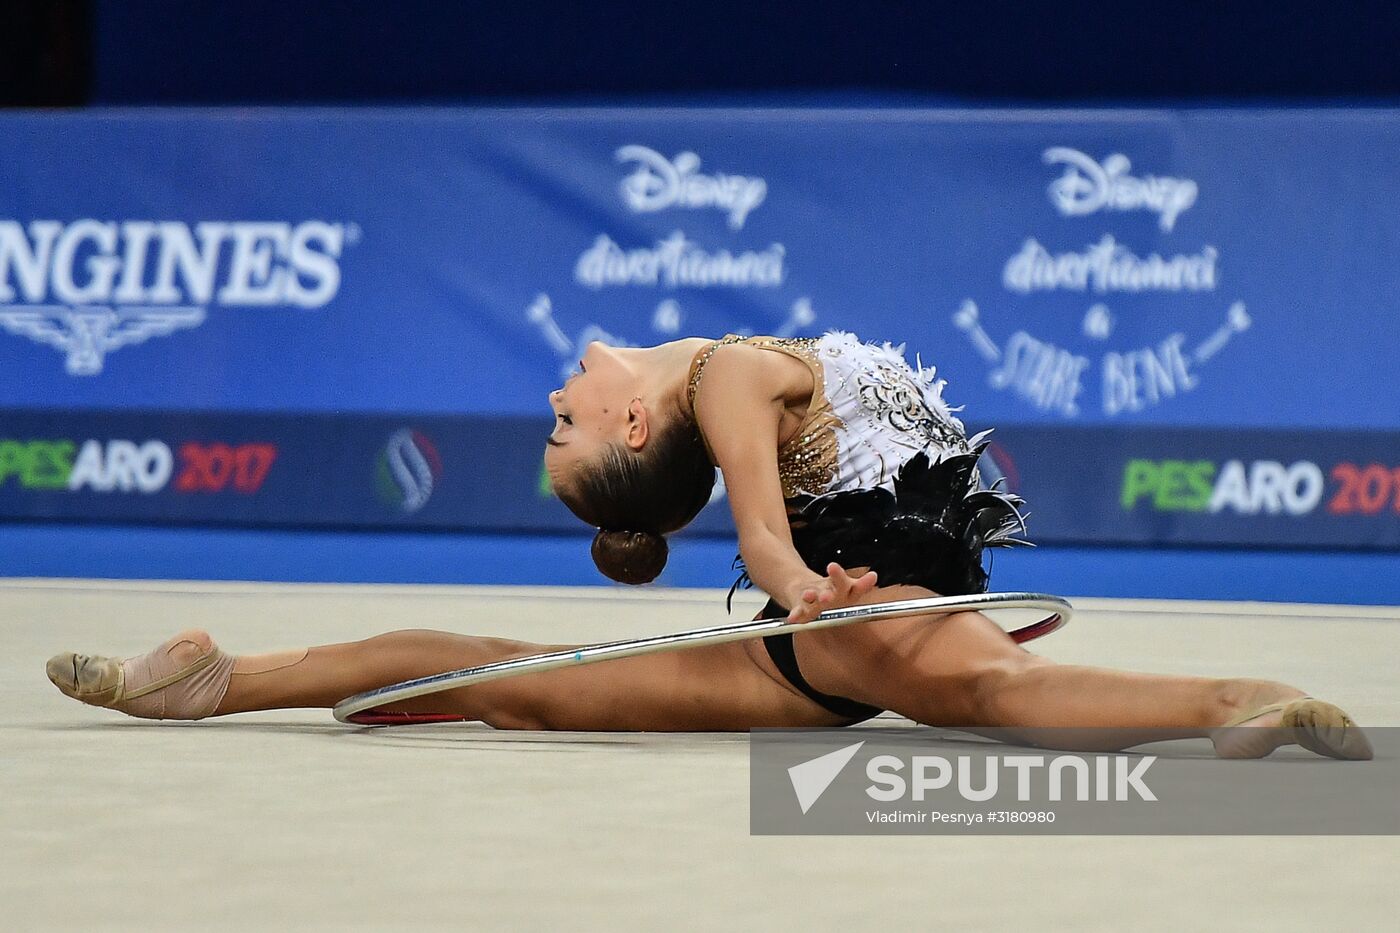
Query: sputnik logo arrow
[[811, 778]]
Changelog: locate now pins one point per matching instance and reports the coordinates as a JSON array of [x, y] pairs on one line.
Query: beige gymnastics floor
[[290, 821]]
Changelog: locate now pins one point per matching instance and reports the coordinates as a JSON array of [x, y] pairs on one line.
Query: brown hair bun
[[630, 556]]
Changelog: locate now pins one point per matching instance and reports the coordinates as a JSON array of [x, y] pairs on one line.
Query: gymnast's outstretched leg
[[714, 688], [962, 670]]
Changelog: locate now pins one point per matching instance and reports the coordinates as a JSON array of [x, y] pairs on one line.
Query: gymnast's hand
[[812, 596]]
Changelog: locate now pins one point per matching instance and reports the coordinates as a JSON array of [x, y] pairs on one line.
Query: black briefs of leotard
[[785, 660], [930, 531]]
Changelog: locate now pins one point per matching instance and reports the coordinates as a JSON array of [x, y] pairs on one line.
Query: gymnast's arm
[[739, 412]]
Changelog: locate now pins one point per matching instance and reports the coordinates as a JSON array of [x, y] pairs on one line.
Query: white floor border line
[[743, 601]]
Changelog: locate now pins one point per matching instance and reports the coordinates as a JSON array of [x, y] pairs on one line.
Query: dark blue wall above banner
[[1167, 313], [356, 51]]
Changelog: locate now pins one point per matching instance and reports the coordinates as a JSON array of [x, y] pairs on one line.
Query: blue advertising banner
[[284, 317], [1084, 484]]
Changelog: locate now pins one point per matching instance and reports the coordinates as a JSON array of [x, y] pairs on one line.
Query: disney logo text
[[1087, 187], [659, 183]]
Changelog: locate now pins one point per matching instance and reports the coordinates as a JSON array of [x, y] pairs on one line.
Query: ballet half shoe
[[185, 678], [1316, 725]]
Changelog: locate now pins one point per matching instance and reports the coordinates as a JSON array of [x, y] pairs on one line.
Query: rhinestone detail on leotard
[[807, 463]]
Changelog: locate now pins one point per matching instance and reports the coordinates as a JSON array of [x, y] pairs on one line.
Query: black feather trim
[[931, 531]]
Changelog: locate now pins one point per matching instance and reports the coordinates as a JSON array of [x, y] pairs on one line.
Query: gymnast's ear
[[638, 425]]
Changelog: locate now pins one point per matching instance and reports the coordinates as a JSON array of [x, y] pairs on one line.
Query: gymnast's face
[[597, 407]]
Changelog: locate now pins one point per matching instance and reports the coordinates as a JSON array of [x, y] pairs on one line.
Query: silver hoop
[[349, 709]]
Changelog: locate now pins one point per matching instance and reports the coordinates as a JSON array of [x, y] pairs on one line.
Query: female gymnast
[[851, 482]]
